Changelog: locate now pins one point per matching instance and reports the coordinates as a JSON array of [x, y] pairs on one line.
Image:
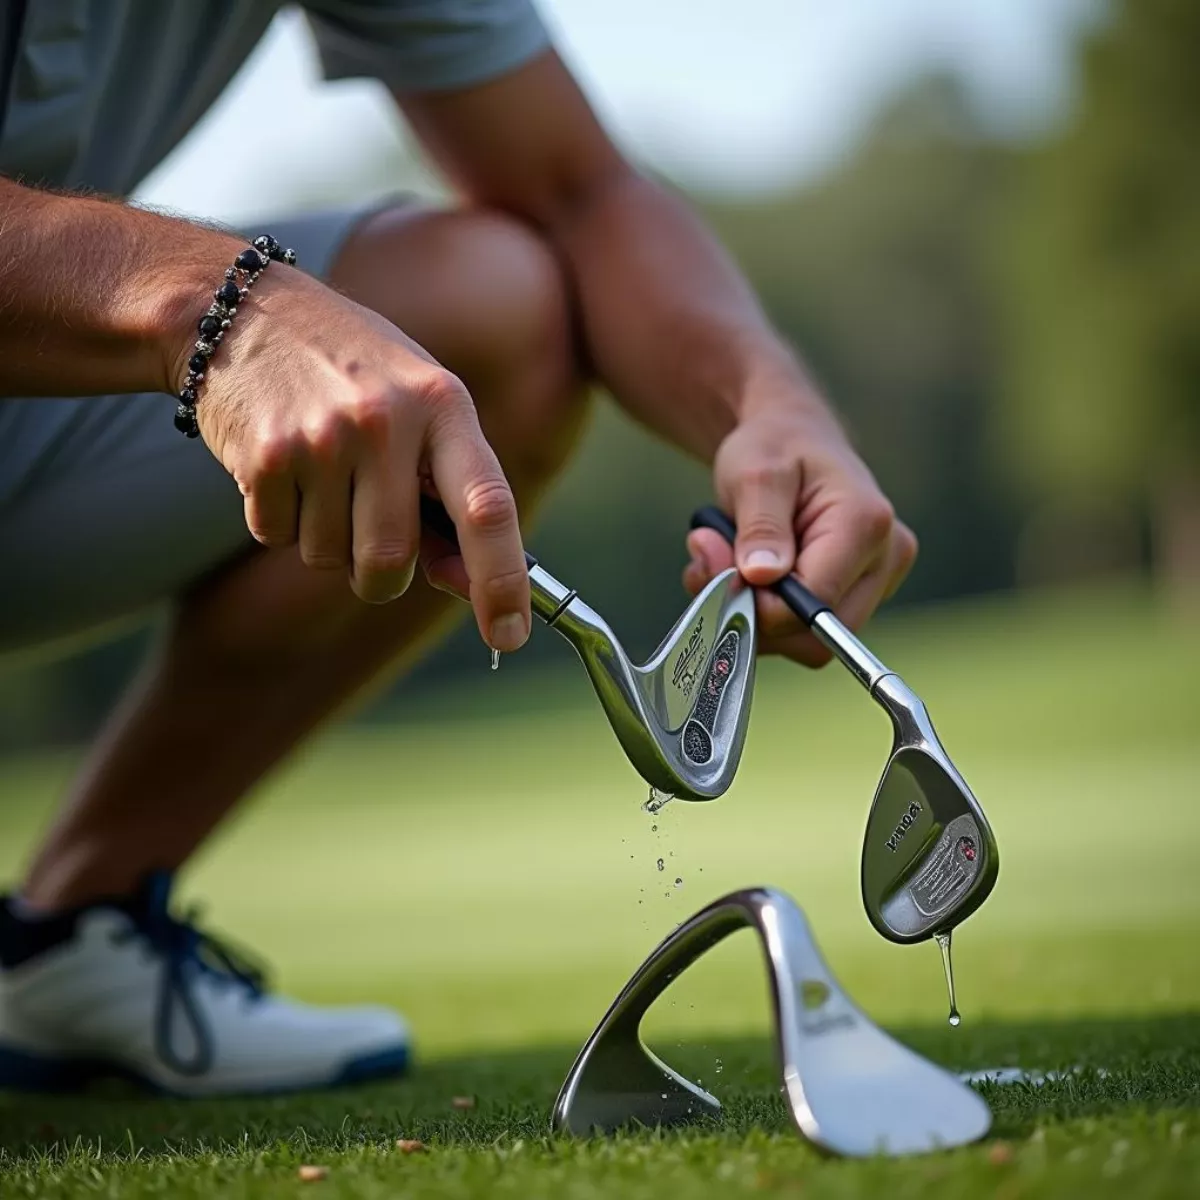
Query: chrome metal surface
[[857, 659], [929, 856], [682, 716], [850, 1088]]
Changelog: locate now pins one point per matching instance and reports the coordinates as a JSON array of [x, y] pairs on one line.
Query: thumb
[[764, 507]]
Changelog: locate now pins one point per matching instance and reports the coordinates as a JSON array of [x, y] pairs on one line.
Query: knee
[[519, 354], [486, 296]]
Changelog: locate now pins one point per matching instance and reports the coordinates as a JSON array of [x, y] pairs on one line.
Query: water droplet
[[495, 660], [660, 864], [943, 941], [664, 1095], [720, 1066], [653, 828], [678, 882], [656, 800]]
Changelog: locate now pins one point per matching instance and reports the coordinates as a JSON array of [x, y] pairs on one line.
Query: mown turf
[[489, 871]]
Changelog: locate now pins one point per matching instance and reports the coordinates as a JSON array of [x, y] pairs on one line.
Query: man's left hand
[[805, 504]]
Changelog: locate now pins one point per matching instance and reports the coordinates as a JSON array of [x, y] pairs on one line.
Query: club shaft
[[850, 652]]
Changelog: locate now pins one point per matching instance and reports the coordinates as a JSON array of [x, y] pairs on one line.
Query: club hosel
[[549, 597]]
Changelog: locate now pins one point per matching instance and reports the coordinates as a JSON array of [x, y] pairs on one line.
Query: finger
[[444, 567], [764, 509], [272, 508], [710, 551], [480, 502], [849, 540], [325, 520], [905, 554], [385, 524], [876, 586]]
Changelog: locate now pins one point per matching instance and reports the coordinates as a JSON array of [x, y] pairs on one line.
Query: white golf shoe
[[125, 989]]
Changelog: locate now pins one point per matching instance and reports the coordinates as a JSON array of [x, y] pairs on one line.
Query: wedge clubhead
[[681, 717], [929, 857], [850, 1088]]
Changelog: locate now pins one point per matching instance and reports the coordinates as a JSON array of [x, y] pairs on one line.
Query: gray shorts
[[105, 509]]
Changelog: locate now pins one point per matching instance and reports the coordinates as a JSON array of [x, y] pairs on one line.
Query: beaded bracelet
[[249, 265]]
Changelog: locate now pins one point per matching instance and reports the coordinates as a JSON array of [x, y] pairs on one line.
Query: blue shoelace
[[187, 953]]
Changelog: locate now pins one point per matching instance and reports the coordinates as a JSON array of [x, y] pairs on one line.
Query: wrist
[[774, 384], [167, 312]]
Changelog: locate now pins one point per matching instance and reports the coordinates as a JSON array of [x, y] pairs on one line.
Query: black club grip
[[795, 595], [437, 520]]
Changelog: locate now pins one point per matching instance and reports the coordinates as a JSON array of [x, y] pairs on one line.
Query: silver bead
[[230, 273], [226, 323]]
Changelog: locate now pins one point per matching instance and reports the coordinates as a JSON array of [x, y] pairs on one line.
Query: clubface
[[682, 716], [929, 856]]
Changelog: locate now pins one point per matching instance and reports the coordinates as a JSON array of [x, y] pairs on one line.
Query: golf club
[[850, 1089], [929, 857], [681, 716]]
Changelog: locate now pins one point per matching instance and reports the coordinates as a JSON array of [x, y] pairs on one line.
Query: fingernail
[[767, 559], [509, 632]]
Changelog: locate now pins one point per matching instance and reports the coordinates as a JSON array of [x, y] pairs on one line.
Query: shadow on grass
[[1150, 1063]]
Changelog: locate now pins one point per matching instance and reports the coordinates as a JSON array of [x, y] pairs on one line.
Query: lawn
[[485, 866]]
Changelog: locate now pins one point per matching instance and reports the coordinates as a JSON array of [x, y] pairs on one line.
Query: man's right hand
[[330, 420]]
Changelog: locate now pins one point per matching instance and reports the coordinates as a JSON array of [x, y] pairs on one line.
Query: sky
[[765, 101]]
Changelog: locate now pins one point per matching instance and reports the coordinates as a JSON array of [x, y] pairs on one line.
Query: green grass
[[486, 868]]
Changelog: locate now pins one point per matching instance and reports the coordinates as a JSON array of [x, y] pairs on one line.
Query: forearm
[[672, 327], [96, 296]]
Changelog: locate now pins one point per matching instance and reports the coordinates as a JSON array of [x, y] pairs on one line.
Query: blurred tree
[[1101, 273]]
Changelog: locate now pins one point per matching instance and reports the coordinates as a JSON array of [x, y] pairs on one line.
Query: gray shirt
[[100, 91]]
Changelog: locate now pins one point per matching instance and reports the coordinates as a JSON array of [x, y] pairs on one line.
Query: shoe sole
[[21, 1071]]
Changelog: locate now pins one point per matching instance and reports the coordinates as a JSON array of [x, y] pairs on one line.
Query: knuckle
[[385, 558], [324, 558], [907, 547], [325, 435], [273, 536], [371, 412], [503, 585], [876, 519], [766, 474], [441, 391], [761, 527], [490, 506]]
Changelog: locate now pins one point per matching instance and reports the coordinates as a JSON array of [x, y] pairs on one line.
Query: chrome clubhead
[[681, 717], [850, 1088], [929, 857]]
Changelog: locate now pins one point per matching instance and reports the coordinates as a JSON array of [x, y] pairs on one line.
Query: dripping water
[[943, 941]]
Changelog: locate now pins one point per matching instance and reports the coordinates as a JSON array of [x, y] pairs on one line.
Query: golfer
[[189, 420]]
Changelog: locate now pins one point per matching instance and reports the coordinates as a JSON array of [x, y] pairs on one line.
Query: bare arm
[[325, 414], [97, 296], [675, 331]]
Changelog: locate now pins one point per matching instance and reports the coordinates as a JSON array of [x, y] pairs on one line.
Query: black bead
[[209, 325], [228, 293], [185, 421], [197, 363], [188, 395], [249, 260], [267, 245]]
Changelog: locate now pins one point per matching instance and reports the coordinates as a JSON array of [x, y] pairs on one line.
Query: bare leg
[[261, 653]]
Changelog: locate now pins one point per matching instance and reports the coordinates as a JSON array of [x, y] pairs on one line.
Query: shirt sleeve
[[425, 45]]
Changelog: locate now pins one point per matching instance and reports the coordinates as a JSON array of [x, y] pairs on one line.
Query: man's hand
[[805, 504], [330, 420], [675, 332]]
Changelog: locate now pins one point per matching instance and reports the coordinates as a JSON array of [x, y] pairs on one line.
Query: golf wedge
[[681, 717], [929, 857]]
